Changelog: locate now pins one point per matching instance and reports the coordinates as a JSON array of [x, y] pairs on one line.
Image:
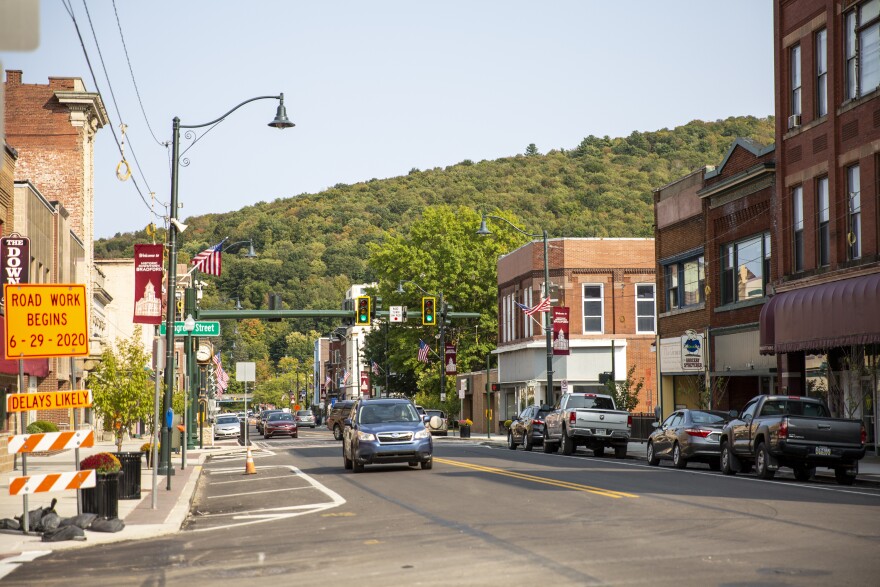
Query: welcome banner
[[148, 284], [560, 331]]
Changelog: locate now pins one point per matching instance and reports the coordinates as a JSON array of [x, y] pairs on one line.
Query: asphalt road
[[487, 515]]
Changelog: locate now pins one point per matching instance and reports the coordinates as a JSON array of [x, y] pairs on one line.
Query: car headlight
[[366, 436], [423, 433]]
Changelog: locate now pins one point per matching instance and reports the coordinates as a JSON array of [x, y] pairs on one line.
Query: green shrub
[[41, 426]]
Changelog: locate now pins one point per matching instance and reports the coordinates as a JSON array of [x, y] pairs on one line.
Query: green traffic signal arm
[[203, 314]]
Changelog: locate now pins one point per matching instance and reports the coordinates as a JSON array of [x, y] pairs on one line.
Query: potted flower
[[103, 498], [464, 428]]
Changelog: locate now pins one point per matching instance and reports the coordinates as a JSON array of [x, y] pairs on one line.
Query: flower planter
[[464, 431], [103, 498]]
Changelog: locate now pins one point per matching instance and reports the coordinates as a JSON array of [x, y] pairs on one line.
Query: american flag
[[424, 349], [327, 380], [222, 377], [210, 260], [375, 368], [544, 306], [345, 375]]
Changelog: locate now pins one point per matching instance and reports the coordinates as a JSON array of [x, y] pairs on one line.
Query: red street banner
[[365, 383], [147, 284], [560, 330], [451, 356]]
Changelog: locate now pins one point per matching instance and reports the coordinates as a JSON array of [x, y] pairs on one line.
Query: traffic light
[[362, 311], [429, 317]]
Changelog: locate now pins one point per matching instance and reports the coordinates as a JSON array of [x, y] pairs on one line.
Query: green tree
[[626, 392], [121, 386], [532, 150]]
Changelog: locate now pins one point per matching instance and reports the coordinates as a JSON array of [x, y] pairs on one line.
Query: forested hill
[[601, 187]]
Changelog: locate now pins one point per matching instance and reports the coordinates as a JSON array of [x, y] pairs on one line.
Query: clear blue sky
[[378, 88]]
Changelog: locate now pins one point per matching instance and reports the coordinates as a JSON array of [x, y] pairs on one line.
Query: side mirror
[[655, 424], [747, 417], [733, 413]]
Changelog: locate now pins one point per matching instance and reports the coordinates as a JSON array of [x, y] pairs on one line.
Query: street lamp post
[[442, 350], [280, 121], [548, 328]]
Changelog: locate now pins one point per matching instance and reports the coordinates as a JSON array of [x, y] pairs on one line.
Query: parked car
[[527, 428], [336, 418], [263, 416], [280, 423], [386, 431], [305, 419], [436, 422], [688, 435], [226, 426], [776, 431], [587, 419]]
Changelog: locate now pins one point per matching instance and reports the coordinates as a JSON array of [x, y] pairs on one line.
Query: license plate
[[823, 450], [600, 432]]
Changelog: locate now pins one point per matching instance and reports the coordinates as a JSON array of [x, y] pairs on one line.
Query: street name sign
[[202, 329], [45, 320], [54, 400]]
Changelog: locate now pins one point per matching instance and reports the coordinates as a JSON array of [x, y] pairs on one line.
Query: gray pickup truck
[[587, 419], [775, 431]]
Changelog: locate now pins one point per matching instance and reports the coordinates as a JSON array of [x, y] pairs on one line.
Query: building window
[[593, 308], [824, 231], [821, 73], [796, 79], [854, 197], [745, 268], [645, 308], [685, 283], [862, 49], [797, 213]]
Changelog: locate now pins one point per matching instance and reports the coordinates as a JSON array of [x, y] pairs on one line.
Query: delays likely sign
[[23, 402], [45, 320]]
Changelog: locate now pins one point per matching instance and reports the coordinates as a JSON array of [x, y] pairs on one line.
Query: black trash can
[[130, 482], [242, 430], [103, 498]]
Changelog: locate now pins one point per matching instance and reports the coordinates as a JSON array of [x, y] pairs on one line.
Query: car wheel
[[356, 466], [727, 462], [653, 460], [678, 461], [427, 465], [567, 443], [337, 432], [345, 460], [840, 474], [295, 435], [762, 462], [510, 443], [529, 442], [804, 473], [620, 452], [265, 435]]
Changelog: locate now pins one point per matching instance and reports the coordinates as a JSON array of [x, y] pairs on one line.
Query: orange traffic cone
[[249, 467]]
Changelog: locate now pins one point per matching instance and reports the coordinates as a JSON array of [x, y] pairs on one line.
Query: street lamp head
[[251, 254], [189, 324], [483, 230], [400, 289], [281, 121], [237, 304]]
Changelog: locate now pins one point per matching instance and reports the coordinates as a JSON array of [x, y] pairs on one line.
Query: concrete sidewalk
[[141, 520]]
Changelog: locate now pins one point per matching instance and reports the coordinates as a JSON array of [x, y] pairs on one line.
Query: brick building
[[826, 214], [608, 286]]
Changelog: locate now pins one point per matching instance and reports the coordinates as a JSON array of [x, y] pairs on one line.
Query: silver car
[[688, 435], [226, 426], [436, 423], [305, 419]]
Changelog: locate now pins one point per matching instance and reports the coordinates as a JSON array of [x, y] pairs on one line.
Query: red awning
[[819, 317], [35, 367]]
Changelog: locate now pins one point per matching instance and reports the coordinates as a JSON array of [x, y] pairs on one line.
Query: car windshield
[[379, 413], [541, 413], [433, 413], [707, 417], [584, 401], [303, 413], [276, 417], [227, 419]]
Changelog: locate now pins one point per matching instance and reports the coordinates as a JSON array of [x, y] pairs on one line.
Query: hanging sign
[[449, 361], [560, 330], [692, 351], [15, 258], [148, 284]]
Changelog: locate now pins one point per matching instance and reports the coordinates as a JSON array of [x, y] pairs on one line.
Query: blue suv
[[386, 431]]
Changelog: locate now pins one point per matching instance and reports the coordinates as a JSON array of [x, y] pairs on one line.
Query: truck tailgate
[[607, 419], [824, 431]]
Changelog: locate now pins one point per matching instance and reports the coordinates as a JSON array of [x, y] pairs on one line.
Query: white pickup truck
[[588, 419]]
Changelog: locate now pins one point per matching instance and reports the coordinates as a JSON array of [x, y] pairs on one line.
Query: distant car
[[688, 435], [226, 426], [336, 418], [436, 422], [263, 416], [421, 411], [386, 431], [527, 428], [305, 418], [280, 423]]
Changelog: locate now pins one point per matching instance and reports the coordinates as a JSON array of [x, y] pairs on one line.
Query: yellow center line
[[533, 478]]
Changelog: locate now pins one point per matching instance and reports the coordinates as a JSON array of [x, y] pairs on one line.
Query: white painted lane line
[[252, 479], [232, 470], [256, 492]]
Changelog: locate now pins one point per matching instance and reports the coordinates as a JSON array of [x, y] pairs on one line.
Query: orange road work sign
[[45, 320], [52, 482], [23, 402]]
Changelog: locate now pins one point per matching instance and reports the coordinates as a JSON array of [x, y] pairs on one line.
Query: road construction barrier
[[50, 441], [51, 482]]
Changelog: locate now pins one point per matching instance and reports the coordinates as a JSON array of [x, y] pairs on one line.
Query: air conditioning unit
[[794, 121]]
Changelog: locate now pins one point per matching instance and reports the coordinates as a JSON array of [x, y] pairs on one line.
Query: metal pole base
[[165, 469]]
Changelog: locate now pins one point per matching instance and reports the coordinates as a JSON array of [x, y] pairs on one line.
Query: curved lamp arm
[[484, 230], [279, 97]]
